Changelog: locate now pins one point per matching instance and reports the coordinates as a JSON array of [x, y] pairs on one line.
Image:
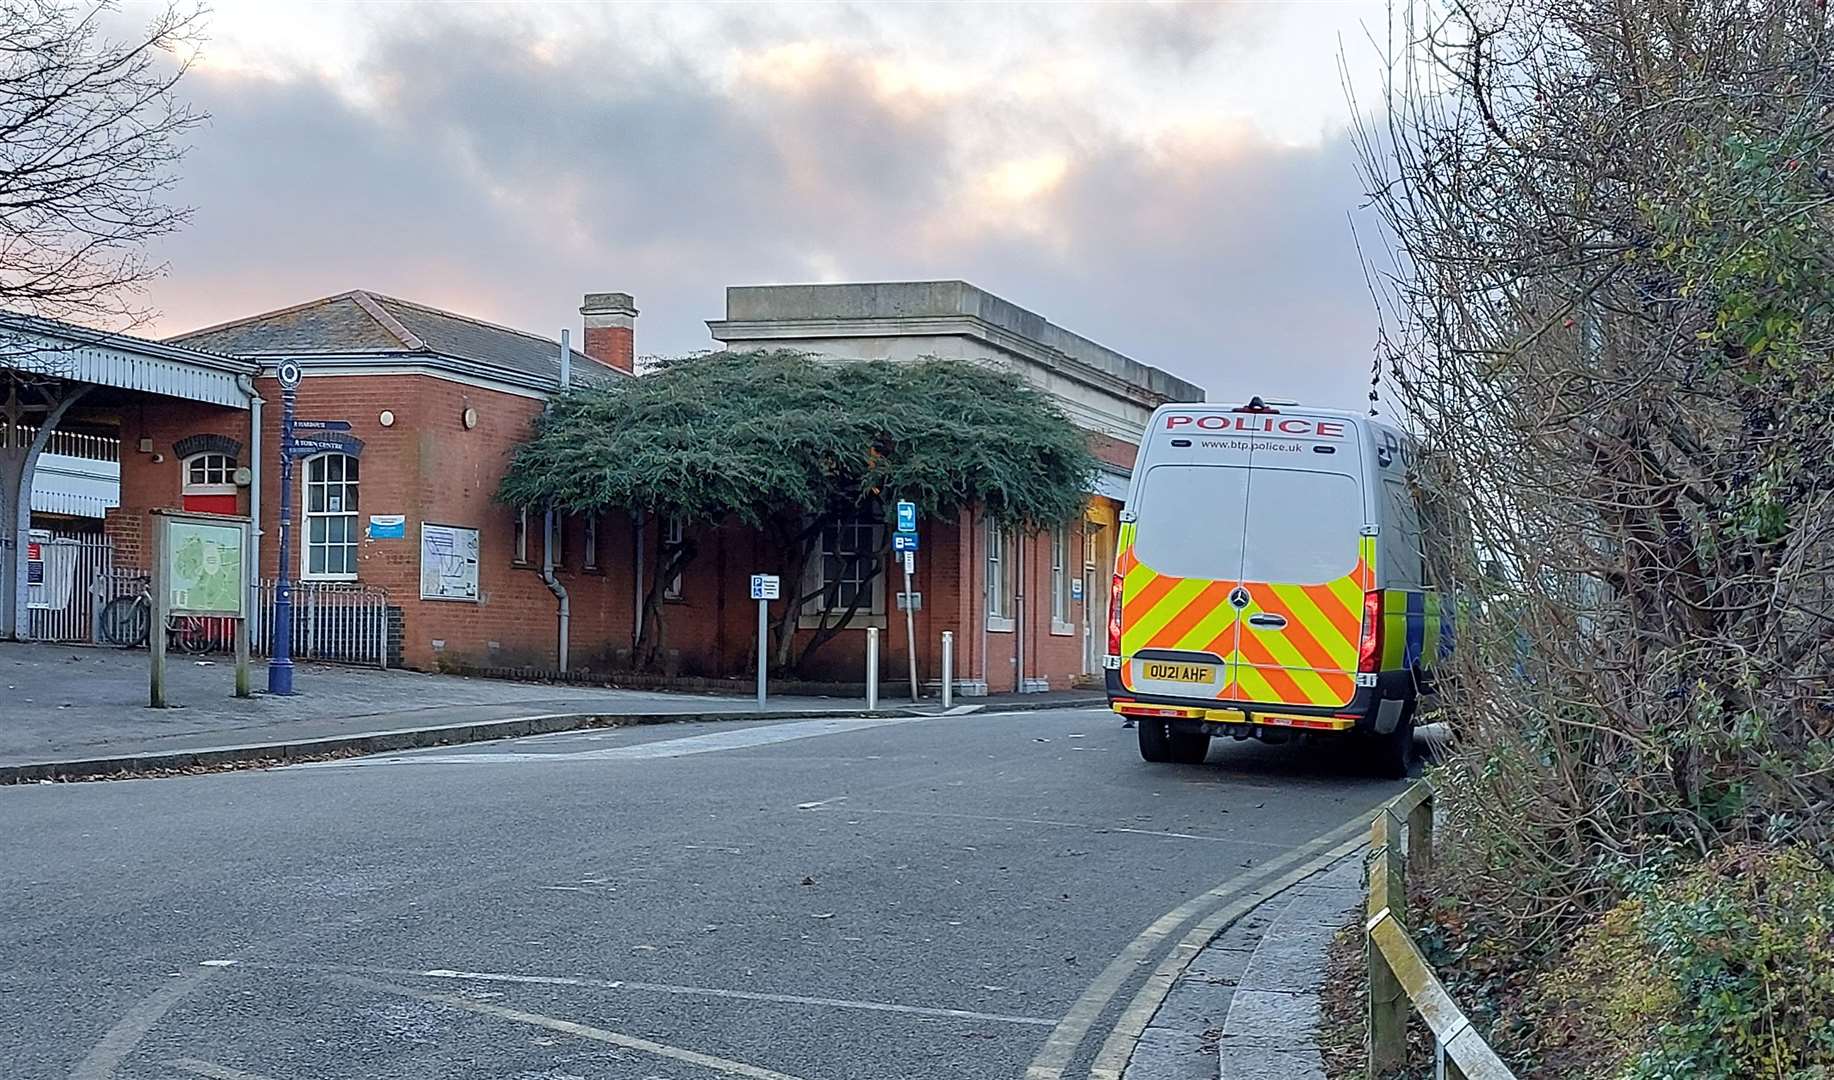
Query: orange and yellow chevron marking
[[1311, 631], [1310, 661]]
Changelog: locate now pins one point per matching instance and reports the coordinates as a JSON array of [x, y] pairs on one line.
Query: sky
[[1174, 181]]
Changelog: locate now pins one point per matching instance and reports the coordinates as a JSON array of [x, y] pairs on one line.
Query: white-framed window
[[589, 543], [673, 536], [519, 548], [1062, 573], [849, 553], [210, 474], [330, 540], [844, 568], [999, 578]]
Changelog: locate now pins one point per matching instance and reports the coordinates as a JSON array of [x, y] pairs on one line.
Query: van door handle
[[1267, 621]]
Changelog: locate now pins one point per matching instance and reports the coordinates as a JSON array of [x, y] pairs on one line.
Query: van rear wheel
[[1160, 743], [1392, 755]]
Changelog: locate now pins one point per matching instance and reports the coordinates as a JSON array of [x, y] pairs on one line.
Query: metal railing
[[61, 602], [77, 444], [1399, 979], [332, 620]]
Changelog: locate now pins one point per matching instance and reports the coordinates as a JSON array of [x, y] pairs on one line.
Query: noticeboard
[[204, 564], [448, 563]]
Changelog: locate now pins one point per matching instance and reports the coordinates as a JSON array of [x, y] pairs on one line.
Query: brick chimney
[[611, 328]]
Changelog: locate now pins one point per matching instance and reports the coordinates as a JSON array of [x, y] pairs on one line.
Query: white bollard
[[948, 669], [872, 669]]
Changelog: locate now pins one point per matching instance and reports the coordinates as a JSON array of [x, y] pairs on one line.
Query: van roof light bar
[[1256, 405]]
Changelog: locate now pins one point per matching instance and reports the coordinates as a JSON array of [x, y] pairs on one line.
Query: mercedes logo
[[1238, 598]]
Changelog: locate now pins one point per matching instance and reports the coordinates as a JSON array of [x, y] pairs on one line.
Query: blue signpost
[[904, 542], [280, 664]]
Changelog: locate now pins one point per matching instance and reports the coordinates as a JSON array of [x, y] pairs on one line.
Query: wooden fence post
[[1420, 837], [1388, 1004]]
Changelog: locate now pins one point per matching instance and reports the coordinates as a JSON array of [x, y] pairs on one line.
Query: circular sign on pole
[[289, 374]]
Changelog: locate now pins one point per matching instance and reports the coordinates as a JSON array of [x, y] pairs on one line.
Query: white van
[[1271, 579]]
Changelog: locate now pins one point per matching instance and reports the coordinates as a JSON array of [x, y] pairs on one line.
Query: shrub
[[1724, 972]]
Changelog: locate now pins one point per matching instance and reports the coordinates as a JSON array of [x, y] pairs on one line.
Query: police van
[[1271, 580]]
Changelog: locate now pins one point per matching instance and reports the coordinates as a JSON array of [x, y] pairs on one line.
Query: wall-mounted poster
[[448, 563], [388, 526]]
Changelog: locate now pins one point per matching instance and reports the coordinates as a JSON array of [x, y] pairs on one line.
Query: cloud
[[503, 166]]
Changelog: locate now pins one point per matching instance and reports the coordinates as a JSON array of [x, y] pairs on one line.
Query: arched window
[[210, 474], [329, 546]]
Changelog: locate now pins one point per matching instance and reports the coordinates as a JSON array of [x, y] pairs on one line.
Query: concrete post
[[872, 668], [948, 669]]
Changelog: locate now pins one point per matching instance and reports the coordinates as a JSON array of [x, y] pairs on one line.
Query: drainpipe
[[636, 577], [549, 521], [977, 533], [1019, 610], [246, 383]]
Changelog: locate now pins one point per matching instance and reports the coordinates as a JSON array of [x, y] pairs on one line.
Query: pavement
[[73, 711], [997, 895], [1247, 1006]]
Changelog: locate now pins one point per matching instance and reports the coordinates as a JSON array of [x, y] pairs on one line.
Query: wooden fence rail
[[1400, 982]]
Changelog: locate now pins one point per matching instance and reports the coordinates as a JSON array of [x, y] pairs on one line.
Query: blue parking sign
[[904, 541]]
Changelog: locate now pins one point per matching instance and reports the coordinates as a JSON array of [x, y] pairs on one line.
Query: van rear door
[[1304, 569], [1180, 563]]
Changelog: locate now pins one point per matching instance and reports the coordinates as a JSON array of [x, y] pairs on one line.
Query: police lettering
[[1259, 424]]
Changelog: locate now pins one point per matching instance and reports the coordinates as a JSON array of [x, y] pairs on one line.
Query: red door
[[211, 504]]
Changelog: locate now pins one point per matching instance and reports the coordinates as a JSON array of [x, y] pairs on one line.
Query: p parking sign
[[765, 587]]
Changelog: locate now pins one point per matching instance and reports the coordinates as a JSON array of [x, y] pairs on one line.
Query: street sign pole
[[280, 661], [763, 648], [905, 543], [764, 589], [910, 621]]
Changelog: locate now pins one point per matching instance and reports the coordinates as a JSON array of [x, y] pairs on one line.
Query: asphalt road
[[971, 896]]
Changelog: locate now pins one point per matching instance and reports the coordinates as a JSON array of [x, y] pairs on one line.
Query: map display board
[[448, 563], [204, 568]]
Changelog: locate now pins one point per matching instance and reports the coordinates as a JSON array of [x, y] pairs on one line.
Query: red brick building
[[1029, 612], [403, 503]]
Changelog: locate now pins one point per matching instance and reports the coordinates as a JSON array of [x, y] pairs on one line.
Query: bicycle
[[126, 621]]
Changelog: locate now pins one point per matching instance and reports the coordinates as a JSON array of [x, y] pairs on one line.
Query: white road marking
[[102, 1060], [568, 1027], [1058, 1050], [213, 1070], [821, 803], [217, 963], [735, 739], [1093, 826], [741, 995]]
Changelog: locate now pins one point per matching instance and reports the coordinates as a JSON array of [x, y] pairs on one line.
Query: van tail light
[[1114, 616], [1369, 648]]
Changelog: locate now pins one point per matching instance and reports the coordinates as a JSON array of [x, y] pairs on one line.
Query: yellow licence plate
[[1169, 672]]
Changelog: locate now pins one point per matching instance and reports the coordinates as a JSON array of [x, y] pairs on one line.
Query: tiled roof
[[362, 322]]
